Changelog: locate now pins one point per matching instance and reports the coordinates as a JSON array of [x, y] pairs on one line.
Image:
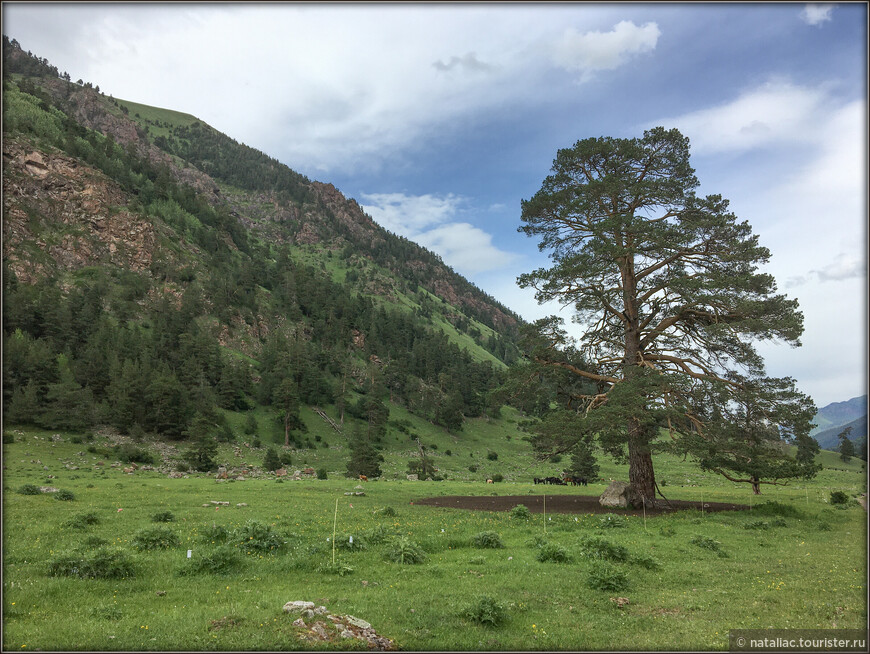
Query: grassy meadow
[[484, 581]]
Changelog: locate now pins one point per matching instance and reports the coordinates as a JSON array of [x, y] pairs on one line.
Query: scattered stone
[[319, 629], [308, 613], [48, 489], [620, 601], [219, 503], [161, 593], [357, 494], [347, 634], [618, 493], [297, 606], [221, 473], [207, 506], [241, 504], [357, 622], [413, 477], [299, 622], [358, 487]]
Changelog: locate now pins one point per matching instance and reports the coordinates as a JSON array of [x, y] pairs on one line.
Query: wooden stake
[[334, 523], [643, 499], [545, 514]]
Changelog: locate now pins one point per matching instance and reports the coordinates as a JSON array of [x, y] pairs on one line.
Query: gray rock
[[618, 493], [356, 622], [299, 622], [413, 478], [297, 606], [319, 629], [347, 634]]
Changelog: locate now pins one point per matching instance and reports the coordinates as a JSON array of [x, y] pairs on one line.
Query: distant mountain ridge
[[839, 414]]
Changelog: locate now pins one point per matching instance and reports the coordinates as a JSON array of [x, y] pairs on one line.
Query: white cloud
[[816, 14], [431, 221], [594, 51], [774, 113]]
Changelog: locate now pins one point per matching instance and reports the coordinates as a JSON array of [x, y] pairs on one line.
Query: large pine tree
[[667, 286]]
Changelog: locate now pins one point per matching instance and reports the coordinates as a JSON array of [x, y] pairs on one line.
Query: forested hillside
[[157, 273]]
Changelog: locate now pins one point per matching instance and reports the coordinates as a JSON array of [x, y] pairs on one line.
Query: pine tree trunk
[[287, 429], [641, 475], [756, 486]]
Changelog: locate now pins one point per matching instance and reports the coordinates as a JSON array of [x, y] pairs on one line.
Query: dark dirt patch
[[566, 504]]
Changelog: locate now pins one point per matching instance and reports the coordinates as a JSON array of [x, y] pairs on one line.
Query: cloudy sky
[[440, 118]]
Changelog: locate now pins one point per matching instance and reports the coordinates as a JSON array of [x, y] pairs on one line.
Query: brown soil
[[566, 504]]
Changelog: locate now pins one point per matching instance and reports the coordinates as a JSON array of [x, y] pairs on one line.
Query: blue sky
[[440, 118]]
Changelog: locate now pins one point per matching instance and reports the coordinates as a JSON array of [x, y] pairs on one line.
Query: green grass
[[785, 576]]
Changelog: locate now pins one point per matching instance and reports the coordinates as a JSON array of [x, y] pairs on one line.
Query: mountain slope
[[828, 440], [157, 272], [838, 414]]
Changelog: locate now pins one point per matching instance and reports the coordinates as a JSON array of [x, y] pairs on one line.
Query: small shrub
[[215, 534], [492, 456], [839, 497], [472, 468], [667, 531], [448, 452], [102, 564], [387, 511], [604, 576], [601, 548], [29, 489], [155, 538], [405, 551], [612, 521], [163, 516], [488, 540], [477, 560], [646, 561], [182, 466], [498, 478], [350, 542], [778, 522], [224, 559], [321, 473], [82, 521], [65, 495], [553, 553], [8, 438], [756, 524], [823, 526], [778, 508], [707, 543], [129, 453], [255, 536], [521, 512], [487, 611], [337, 568], [378, 534]]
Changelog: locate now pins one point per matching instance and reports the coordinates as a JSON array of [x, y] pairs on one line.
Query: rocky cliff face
[[61, 214], [100, 229]]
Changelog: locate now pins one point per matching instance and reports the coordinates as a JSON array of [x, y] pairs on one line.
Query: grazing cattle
[[538, 480], [489, 481], [363, 478]]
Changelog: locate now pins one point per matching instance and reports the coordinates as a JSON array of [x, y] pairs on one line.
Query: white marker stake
[[334, 523], [189, 552]]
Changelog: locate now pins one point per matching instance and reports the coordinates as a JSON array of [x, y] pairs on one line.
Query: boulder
[[618, 493], [222, 473], [298, 606], [413, 478]]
